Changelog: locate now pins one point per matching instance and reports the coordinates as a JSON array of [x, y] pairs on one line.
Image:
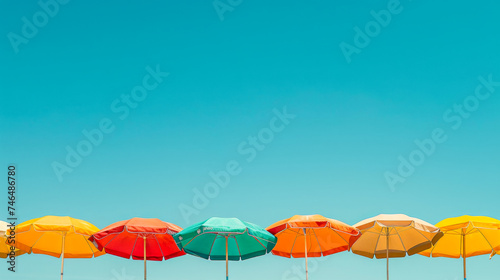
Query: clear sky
[[313, 105]]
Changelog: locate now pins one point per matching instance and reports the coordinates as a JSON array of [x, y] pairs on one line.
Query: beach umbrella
[[311, 236], [394, 236], [465, 237], [139, 239], [5, 245], [225, 239], [63, 237]]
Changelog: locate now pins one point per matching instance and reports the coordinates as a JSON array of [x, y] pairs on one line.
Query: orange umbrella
[[63, 237], [139, 239], [312, 236]]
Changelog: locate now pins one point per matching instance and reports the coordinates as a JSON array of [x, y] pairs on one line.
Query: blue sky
[[352, 121]]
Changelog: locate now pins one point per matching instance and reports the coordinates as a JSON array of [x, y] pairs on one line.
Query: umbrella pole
[[62, 256], [144, 257], [227, 269], [387, 253], [464, 256], [305, 250]]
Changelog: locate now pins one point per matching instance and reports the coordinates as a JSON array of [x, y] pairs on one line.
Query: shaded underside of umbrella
[[465, 237], [481, 236], [63, 237], [225, 239], [321, 236], [311, 236], [394, 236], [208, 239], [127, 239], [48, 234]]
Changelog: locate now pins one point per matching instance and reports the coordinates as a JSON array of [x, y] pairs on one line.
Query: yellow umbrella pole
[[227, 269], [305, 250], [62, 256], [387, 253], [464, 256], [144, 257]]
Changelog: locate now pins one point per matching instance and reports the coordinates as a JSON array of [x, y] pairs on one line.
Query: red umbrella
[[139, 238]]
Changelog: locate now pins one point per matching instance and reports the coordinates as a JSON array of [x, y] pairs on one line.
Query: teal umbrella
[[225, 239]]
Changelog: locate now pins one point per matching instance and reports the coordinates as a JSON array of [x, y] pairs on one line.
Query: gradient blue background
[[352, 122]]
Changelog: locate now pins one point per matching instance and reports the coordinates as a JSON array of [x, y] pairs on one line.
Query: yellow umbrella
[[5, 248], [63, 237], [465, 237], [394, 236]]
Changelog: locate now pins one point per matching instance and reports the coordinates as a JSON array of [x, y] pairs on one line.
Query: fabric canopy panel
[[394, 236], [322, 236], [125, 239], [225, 239], [63, 237], [208, 239], [45, 236], [481, 234]]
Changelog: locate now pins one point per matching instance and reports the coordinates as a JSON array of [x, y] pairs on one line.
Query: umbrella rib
[[159, 246], [133, 247], [31, 248], [256, 238], [469, 224], [87, 242], [321, 249], [116, 235], [401, 239], [376, 244], [293, 245], [237, 245], [211, 247], [434, 245], [424, 236], [487, 241], [339, 235]]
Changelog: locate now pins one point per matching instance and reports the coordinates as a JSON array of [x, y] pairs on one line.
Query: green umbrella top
[[208, 239]]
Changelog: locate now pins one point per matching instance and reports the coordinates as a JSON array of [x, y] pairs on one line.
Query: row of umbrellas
[[230, 239]]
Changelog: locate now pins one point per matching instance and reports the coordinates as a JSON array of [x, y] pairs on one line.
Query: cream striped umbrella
[[394, 236]]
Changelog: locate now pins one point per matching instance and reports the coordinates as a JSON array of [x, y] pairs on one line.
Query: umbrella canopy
[[225, 239], [394, 236], [465, 237], [125, 239], [139, 239], [323, 236], [5, 249], [311, 236], [56, 236]]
